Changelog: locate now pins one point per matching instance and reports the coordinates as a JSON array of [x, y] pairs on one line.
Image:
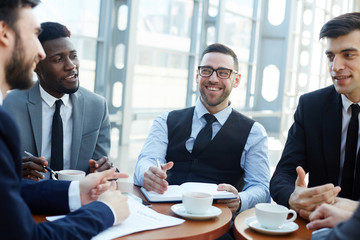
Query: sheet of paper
[[141, 218]]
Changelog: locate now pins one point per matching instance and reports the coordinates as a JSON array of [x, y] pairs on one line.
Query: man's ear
[[197, 78], [5, 34], [237, 80]]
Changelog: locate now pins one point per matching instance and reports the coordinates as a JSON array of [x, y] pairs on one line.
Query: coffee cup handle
[[293, 217], [53, 175]]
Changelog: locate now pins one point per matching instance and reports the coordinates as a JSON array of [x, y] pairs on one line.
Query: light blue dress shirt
[[254, 159]]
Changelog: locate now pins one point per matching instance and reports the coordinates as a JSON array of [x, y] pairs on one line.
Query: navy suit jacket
[[18, 198], [313, 142]]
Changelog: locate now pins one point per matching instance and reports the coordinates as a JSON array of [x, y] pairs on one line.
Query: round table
[[190, 229], [242, 230]]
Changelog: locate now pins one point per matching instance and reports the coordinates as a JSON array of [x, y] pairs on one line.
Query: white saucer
[[284, 229], [180, 210]]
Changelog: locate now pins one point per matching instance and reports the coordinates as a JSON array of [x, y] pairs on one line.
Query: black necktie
[[347, 180], [204, 136], [56, 162]]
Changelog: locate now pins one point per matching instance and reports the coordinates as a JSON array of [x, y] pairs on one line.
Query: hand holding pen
[[33, 167], [155, 177]]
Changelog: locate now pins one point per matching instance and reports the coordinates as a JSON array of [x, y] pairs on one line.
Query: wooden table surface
[[242, 230], [190, 229]]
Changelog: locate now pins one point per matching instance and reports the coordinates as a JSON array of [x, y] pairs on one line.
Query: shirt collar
[[346, 102], [50, 100], [221, 117]]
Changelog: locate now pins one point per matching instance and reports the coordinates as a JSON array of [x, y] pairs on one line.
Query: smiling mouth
[[72, 76], [341, 77], [212, 88]]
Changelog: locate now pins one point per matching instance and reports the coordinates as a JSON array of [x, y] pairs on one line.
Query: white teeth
[[213, 88], [71, 76], [340, 78]]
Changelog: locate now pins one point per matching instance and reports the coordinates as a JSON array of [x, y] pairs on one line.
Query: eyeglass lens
[[220, 72]]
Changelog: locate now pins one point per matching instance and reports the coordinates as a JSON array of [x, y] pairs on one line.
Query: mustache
[[70, 74]]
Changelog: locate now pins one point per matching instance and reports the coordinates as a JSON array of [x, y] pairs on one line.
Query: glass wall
[[81, 17], [163, 45]]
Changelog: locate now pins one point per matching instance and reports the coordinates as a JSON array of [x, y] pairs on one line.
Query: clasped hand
[[95, 186]]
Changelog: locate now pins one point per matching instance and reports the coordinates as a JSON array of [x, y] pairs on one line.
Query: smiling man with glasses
[[235, 153]]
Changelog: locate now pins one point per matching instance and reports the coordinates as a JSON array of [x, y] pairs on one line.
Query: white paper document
[[141, 218]]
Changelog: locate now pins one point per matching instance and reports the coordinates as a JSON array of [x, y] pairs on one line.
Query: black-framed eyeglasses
[[223, 73]]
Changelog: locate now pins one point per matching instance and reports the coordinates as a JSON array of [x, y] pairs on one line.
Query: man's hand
[[117, 201], [33, 166], [154, 178], [327, 216], [346, 204], [100, 165], [233, 204], [305, 200], [96, 183]]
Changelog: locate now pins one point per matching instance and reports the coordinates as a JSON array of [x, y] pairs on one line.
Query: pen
[[46, 167], [158, 163]]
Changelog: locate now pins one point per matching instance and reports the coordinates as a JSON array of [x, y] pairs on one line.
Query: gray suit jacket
[[91, 125]]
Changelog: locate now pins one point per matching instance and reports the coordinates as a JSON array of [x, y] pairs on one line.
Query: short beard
[[219, 101], [66, 90], [69, 90], [18, 72]]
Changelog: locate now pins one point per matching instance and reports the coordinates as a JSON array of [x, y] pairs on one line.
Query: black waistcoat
[[219, 162]]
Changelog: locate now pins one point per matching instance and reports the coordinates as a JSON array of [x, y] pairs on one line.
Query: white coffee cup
[[197, 202], [273, 216], [69, 175]]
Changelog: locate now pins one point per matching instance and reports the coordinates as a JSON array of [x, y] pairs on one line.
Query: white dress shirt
[[48, 109], [346, 115]]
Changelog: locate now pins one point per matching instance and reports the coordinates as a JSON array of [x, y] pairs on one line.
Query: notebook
[[175, 192]]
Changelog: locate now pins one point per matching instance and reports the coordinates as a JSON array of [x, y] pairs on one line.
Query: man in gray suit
[[84, 115]]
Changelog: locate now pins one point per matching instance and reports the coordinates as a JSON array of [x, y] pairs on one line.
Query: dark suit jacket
[[18, 198], [313, 142], [91, 125]]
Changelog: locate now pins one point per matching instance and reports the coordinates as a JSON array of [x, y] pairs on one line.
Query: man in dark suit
[[319, 139], [85, 118], [20, 51]]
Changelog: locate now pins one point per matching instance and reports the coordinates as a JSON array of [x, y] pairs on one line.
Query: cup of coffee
[[69, 175], [273, 216], [197, 202]]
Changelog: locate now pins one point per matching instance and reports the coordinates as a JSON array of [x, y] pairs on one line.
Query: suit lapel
[[78, 120], [331, 128], [35, 111]]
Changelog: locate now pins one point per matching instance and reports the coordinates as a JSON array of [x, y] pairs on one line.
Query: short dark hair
[[220, 48], [341, 25], [9, 10], [53, 30]]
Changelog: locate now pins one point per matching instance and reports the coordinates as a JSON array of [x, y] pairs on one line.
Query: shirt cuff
[[74, 196], [112, 210], [244, 202]]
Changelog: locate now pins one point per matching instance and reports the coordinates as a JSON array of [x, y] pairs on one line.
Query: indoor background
[[142, 55]]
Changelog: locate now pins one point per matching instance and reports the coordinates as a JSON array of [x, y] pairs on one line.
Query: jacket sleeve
[[282, 183], [16, 221]]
